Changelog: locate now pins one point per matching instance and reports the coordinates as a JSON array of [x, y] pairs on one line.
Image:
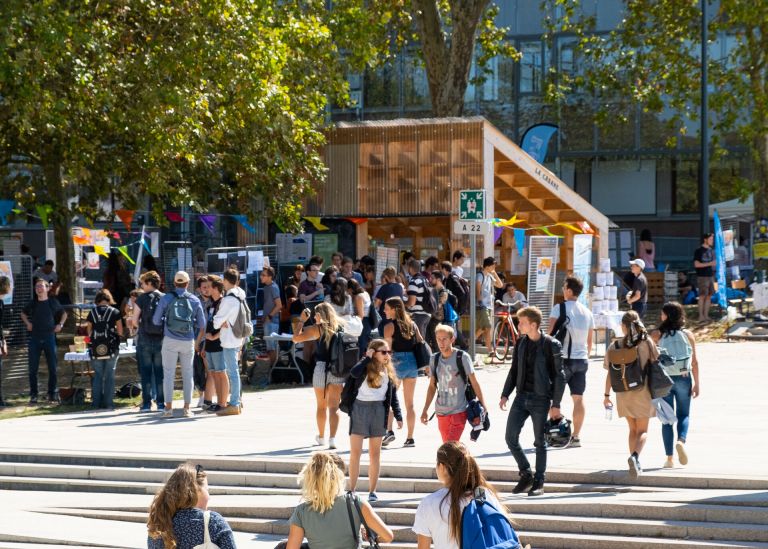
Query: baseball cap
[[181, 277], [639, 262]]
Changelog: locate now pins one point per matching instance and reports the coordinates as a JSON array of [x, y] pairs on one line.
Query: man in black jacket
[[537, 374]]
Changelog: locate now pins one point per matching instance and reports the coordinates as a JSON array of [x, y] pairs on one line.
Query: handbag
[[373, 538], [659, 381], [422, 352], [207, 543]]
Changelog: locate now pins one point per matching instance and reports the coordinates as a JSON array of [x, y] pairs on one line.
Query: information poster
[[5, 270], [543, 273], [386, 256], [325, 245], [293, 248], [728, 242], [92, 261], [255, 261]]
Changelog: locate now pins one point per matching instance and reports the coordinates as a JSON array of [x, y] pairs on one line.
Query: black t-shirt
[[390, 289], [704, 255], [212, 345], [531, 348], [111, 314], [43, 315], [640, 284]]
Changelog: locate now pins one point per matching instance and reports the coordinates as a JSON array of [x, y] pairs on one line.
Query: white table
[[292, 365], [85, 358]]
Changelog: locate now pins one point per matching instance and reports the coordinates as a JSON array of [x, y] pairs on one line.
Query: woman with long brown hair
[[438, 517], [634, 405], [401, 335], [371, 392], [179, 516], [323, 518], [327, 386]]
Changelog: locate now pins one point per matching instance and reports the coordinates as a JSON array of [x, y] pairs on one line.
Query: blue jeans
[[537, 407], [150, 360], [233, 373], [680, 399], [269, 328], [42, 344], [103, 384]]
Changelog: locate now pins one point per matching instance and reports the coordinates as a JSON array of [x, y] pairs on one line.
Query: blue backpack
[[485, 527], [180, 315]]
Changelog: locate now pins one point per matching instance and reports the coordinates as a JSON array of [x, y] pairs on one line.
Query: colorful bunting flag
[[317, 224], [81, 240], [174, 216], [146, 246], [6, 206], [44, 210], [207, 220], [101, 251], [497, 234], [357, 220], [546, 231], [585, 227], [126, 216], [520, 241], [124, 250], [571, 227], [244, 222]]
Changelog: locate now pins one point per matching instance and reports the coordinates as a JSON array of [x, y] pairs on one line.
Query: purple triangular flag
[[207, 220]]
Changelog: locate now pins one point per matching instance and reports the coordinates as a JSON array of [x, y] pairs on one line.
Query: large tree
[[652, 60], [176, 100]]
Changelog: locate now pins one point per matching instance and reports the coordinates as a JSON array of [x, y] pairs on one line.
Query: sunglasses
[[385, 352], [199, 469]]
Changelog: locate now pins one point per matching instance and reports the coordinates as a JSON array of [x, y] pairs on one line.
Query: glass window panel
[[415, 84], [531, 66], [381, 86]]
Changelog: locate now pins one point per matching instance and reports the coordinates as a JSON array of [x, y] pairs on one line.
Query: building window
[[531, 66], [415, 84], [381, 86]]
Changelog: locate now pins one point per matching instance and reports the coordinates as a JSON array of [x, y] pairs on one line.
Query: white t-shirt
[[432, 518], [580, 324], [458, 270], [366, 393]]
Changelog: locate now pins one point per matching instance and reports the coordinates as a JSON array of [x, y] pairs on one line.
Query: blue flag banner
[[6, 206], [536, 140], [520, 241], [243, 220], [721, 294]]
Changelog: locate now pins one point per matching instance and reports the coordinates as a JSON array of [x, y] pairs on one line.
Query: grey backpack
[[242, 327]]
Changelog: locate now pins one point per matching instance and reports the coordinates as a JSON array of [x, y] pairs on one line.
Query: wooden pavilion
[[404, 176]]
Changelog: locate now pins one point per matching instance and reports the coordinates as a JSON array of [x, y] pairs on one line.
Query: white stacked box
[[610, 292], [601, 279], [598, 293], [613, 305], [605, 265]]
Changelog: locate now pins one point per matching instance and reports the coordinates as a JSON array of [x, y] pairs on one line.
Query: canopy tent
[[735, 209]]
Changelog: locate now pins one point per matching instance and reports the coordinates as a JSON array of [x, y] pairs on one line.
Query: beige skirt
[[635, 404]]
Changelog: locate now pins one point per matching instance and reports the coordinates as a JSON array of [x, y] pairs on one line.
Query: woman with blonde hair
[[326, 385], [438, 517], [323, 517], [634, 405], [370, 393], [179, 516], [401, 335]]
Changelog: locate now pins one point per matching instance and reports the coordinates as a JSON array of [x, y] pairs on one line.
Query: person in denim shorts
[[402, 334], [212, 351]]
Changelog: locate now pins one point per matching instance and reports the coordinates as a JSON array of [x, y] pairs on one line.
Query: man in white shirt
[[458, 260], [231, 345], [577, 343]]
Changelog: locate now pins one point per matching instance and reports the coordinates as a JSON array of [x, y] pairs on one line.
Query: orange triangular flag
[[126, 216]]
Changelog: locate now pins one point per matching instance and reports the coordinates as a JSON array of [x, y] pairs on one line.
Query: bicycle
[[505, 333]]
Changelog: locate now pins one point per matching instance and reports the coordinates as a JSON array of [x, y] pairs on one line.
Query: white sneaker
[[319, 441], [669, 464], [682, 456], [331, 443]]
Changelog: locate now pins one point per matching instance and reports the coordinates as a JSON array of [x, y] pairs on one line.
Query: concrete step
[[530, 528], [420, 471]]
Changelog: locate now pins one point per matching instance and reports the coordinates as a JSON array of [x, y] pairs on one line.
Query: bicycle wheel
[[502, 339]]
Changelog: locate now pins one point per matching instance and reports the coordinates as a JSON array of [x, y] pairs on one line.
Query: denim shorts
[[269, 328], [405, 365], [215, 361]]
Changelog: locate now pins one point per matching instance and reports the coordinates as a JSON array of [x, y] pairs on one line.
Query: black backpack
[[344, 354], [105, 342], [469, 392], [460, 288], [374, 318], [147, 325], [429, 299], [560, 330]]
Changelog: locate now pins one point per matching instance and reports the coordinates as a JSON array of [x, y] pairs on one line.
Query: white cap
[[181, 277], [639, 262]]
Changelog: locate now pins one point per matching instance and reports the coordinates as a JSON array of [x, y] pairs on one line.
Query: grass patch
[[19, 407]]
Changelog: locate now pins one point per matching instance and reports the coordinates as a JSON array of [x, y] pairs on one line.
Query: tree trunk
[[448, 56], [60, 220]]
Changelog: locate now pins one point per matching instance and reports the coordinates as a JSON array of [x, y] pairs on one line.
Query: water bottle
[[609, 412]]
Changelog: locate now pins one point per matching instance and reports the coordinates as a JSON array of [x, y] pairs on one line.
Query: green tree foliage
[[175, 99], [652, 60]]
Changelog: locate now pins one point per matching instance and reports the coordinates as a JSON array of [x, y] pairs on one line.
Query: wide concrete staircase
[[601, 510]]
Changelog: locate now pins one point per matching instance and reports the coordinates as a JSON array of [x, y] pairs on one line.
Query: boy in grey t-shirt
[[449, 385]]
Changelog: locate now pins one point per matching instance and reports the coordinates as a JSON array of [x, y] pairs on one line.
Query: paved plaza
[[726, 439]]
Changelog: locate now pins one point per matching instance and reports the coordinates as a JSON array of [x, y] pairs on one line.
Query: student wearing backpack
[[104, 330], [680, 344], [212, 351], [183, 320], [574, 330], [224, 320], [634, 405], [537, 376], [487, 280], [442, 518], [421, 302], [389, 288], [149, 343], [450, 371], [401, 335], [369, 395], [326, 385], [44, 317]]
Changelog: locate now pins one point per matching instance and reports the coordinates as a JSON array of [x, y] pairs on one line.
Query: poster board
[[325, 245], [542, 270], [7, 270], [386, 256], [293, 248], [582, 263]]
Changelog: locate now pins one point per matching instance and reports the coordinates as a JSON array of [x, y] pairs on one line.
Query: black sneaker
[[409, 443], [389, 437], [538, 487], [33, 400], [213, 408], [524, 484]]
